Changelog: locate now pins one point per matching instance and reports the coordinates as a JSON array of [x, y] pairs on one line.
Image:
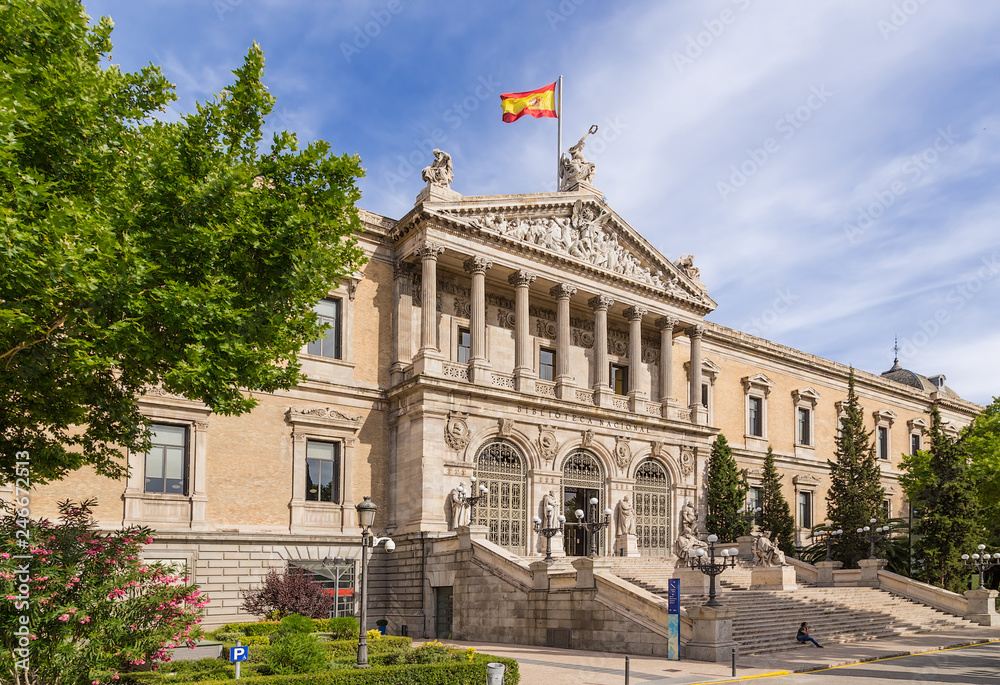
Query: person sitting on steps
[[803, 635]]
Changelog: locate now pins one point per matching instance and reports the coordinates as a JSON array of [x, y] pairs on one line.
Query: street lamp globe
[[366, 513], [713, 538]]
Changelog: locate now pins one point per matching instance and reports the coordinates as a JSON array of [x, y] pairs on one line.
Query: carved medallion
[[687, 463], [456, 431], [547, 443], [587, 438], [623, 451], [506, 427]]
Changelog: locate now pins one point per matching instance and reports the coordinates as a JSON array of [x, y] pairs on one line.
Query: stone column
[[602, 391], [524, 369], [402, 322], [565, 382], [637, 384], [699, 414], [666, 325], [429, 351], [479, 366]]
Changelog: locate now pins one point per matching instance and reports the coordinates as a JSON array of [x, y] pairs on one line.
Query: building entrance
[[583, 479], [577, 539]]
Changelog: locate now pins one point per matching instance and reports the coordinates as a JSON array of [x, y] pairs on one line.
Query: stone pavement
[[546, 666]]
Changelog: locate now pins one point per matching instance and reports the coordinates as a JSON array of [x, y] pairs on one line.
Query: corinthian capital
[[563, 290], [478, 265], [521, 278], [635, 312], [666, 322], [429, 250], [696, 331], [599, 302]]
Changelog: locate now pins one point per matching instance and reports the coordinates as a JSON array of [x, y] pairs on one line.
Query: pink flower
[[64, 617]]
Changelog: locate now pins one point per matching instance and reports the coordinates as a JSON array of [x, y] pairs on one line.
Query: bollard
[[626, 670], [494, 673], [734, 662]]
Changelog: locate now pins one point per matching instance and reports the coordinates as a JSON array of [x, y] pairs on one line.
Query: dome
[[915, 380]]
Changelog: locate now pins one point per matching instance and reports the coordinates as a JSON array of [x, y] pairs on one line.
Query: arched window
[[500, 466], [652, 509], [583, 479]]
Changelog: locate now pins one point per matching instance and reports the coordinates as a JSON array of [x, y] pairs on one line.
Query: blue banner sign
[[674, 619]]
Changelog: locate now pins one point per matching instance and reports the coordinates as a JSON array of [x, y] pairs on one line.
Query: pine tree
[[727, 492], [776, 516], [856, 494], [950, 522]]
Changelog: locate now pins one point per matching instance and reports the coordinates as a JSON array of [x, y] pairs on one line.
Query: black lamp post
[[749, 514], [873, 536], [982, 562], [593, 525], [711, 568], [827, 534], [366, 518], [464, 497], [548, 533]]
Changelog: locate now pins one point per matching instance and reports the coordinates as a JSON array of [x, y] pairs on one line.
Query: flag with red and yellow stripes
[[537, 103]]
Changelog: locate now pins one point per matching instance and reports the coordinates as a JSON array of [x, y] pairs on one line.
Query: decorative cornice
[[805, 396], [806, 479], [295, 413], [758, 381]]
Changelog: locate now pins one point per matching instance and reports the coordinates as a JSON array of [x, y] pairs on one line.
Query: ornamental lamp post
[[873, 536], [548, 533], [711, 567], [982, 562], [464, 498], [366, 518], [826, 533], [749, 514]]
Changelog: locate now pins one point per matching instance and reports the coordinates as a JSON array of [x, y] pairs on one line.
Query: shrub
[[387, 643], [291, 592], [292, 653], [198, 670], [342, 628], [295, 623], [250, 628]]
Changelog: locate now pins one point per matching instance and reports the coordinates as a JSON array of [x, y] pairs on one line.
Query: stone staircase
[[767, 621]]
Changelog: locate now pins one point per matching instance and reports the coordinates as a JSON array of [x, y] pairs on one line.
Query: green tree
[[776, 516], [856, 494], [727, 493], [139, 252], [982, 443], [940, 486]]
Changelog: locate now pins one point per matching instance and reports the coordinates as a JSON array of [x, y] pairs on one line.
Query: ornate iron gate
[[652, 509], [500, 467], [583, 478]]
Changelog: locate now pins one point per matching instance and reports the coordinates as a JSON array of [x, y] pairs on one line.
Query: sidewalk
[[546, 666]]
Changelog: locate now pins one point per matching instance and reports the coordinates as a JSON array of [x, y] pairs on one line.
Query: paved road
[[977, 665]]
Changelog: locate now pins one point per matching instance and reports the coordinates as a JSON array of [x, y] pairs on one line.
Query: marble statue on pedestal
[[439, 173], [626, 517], [574, 168], [766, 552], [461, 512], [688, 540]]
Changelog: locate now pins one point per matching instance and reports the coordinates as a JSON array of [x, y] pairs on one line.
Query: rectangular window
[[883, 442], [546, 364], [887, 509], [805, 510], [619, 379], [464, 345], [755, 420], [336, 576], [755, 498], [805, 421], [167, 460], [328, 312], [322, 471], [704, 395], [914, 443]]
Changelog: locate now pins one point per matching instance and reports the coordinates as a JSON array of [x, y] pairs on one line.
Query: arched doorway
[[500, 466], [652, 509], [583, 479]]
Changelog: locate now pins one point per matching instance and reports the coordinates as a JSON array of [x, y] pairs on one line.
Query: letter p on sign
[[239, 653]]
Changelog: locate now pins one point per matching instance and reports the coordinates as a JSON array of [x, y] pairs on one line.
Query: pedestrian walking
[[803, 635]]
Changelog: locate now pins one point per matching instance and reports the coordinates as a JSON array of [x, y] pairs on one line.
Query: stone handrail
[[638, 605], [502, 563], [803, 570], [939, 598], [848, 576]]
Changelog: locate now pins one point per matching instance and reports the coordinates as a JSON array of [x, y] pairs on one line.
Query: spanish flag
[[538, 103]]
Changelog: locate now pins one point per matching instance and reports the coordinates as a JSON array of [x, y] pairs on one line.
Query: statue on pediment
[[573, 167], [686, 264], [439, 173]]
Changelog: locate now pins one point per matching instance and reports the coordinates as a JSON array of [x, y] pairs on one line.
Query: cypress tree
[[776, 516], [727, 492], [856, 494], [950, 523]]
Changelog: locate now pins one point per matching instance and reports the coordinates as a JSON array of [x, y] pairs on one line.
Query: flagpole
[[559, 129]]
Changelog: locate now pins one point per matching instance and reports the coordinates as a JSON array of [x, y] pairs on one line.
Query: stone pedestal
[[745, 543], [539, 575], [983, 607], [466, 534], [566, 389], [435, 193], [428, 362], [773, 578], [586, 568], [712, 638], [480, 372], [693, 581], [628, 543], [869, 571], [826, 569]]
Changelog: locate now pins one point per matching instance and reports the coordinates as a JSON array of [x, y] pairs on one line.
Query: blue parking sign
[[239, 653]]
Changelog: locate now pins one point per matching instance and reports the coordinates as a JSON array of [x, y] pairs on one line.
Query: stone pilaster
[[699, 414], [429, 357], [565, 382], [666, 325], [524, 368], [479, 366], [402, 321], [638, 386], [602, 390]]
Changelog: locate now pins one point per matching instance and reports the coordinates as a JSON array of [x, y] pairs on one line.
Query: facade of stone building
[[535, 342]]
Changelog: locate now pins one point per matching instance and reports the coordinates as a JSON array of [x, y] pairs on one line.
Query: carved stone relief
[[587, 438], [547, 443], [623, 451], [456, 431], [687, 463], [506, 427]]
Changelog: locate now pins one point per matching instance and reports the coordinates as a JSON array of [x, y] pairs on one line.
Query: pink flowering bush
[[93, 609]]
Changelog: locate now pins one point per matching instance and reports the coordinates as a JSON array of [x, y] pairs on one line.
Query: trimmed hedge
[[446, 673], [386, 643], [341, 628]]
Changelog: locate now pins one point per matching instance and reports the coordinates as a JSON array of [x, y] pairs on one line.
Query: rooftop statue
[[574, 168], [439, 173]]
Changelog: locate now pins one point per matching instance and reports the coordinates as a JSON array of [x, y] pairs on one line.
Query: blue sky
[[833, 166]]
